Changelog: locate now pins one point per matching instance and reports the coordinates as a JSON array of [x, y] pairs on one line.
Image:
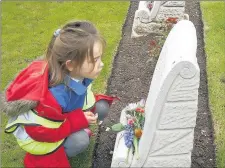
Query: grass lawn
[[26, 30], [214, 25]]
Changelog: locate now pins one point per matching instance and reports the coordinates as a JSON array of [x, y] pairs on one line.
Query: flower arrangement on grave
[[135, 118], [170, 22], [155, 47]]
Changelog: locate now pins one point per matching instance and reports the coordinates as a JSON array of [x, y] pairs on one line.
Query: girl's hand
[[91, 118]]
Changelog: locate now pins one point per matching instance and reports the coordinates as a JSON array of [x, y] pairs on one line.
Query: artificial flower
[[138, 132], [130, 121], [140, 110], [172, 20], [134, 113]]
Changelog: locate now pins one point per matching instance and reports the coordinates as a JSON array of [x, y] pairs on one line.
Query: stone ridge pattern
[[173, 142]]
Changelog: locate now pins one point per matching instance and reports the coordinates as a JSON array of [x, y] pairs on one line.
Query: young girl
[[47, 100]]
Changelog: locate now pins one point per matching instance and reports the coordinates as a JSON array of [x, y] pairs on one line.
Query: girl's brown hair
[[75, 42]]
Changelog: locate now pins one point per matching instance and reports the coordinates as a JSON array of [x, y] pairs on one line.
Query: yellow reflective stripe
[[30, 145], [47, 123], [11, 127], [38, 148], [38, 121], [90, 99]]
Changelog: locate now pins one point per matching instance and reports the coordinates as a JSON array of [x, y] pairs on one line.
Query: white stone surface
[[148, 21], [154, 27], [171, 161], [166, 12], [171, 105], [178, 115], [119, 158], [120, 153], [174, 3], [144, 14], [181, 145], [155, 9], [183, 89], [165, 138]]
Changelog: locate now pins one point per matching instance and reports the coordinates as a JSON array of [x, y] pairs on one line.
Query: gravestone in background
[[171, 106], [150, 20]]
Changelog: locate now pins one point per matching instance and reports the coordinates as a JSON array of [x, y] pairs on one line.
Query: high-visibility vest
[[16, 126], [27, 143], [89, 100]]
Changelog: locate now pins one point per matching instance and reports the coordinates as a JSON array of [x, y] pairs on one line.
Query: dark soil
[[130, 80], [203, 154]]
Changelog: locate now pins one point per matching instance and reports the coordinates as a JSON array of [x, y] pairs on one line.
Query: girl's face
[[88, 69]]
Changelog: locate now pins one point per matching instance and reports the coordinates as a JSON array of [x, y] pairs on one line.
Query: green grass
[[214, 25], [26, 30]]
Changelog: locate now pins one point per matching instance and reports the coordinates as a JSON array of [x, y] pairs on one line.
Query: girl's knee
[[102, 108], [76, 143], [82, 139]]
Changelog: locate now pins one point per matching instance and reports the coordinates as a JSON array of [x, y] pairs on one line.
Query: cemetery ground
[[25, 34], [133, 70]]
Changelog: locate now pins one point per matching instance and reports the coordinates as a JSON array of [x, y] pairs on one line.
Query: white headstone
[[171, 106], [147, 21]]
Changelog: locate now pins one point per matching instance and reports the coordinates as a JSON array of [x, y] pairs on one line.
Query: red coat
[[32, 84]]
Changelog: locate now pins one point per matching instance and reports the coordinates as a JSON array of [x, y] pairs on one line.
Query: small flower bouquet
[[135, 117]]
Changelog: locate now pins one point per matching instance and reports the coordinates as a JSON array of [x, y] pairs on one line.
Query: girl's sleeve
[[74, 122]]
